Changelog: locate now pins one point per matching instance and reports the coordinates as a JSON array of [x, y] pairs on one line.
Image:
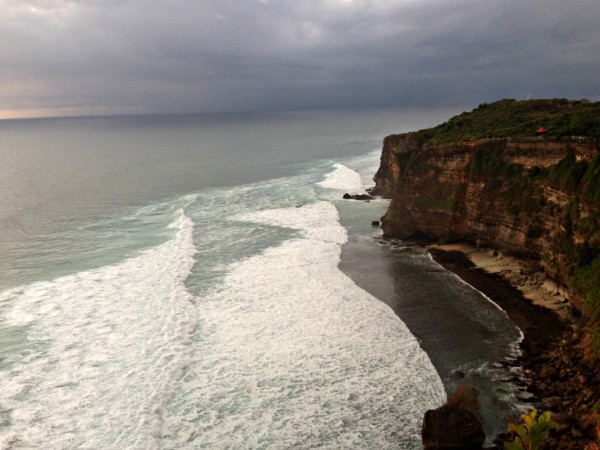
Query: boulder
[[452, 428], [357, 196], [456, 425]]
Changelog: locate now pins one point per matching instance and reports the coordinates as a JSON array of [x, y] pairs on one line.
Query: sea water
[[174, 282]]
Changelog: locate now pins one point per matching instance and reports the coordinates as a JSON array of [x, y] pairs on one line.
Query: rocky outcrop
[[521, 197], [397, 149], [567, 381], [357, 197], [532, 198], [452, 429], [455, 425]]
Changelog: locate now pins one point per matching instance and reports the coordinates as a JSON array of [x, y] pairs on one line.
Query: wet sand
[[464, 347], [558, 373], [541, 316], [535, 306]]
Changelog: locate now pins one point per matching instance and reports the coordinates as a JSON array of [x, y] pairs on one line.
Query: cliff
[[527, 196]]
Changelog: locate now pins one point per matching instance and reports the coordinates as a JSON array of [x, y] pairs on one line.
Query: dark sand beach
[[465, 349], [550, 365], [542, 327], [557, 370]]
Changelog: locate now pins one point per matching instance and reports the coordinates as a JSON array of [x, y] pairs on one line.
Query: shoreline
[[525, 276], [554, 364], [516, 287]]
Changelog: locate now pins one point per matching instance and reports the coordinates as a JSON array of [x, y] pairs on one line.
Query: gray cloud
[[115, 56]]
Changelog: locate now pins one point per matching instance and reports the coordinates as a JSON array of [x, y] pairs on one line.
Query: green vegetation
[[394, 216], [573, 254], [561, 118], [587, 225], [567, 174], [517, 187], [448, 204], [590, 181], [530, 435], [587, 282]]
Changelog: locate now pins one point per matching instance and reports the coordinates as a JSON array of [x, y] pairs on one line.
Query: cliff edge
[[522, 177]]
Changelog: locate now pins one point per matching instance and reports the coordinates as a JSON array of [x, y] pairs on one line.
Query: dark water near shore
[[468, 338]]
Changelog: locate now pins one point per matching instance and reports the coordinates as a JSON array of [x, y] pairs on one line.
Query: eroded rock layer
[[524, 197]]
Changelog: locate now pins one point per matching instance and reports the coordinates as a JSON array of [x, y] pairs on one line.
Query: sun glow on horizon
[[43, 113], [33, 113]]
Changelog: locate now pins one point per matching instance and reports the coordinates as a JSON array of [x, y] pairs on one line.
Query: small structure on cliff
[[541, 131]]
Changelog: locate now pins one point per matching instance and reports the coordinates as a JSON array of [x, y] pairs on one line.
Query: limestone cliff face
[[524, 197]]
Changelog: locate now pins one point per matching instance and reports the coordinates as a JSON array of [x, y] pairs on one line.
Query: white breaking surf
[[294, 354], [108, 347]]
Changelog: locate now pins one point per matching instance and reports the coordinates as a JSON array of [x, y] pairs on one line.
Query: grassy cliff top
[[518, 119]]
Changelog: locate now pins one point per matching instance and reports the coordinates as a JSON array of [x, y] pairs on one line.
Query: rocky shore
[[562, 376], [483, 177]]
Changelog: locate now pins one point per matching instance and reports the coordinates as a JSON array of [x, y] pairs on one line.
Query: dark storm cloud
[[92, 56]]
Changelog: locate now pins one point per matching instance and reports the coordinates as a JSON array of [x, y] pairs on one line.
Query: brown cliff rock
[[502, 194], [484, 177], [532, 199]]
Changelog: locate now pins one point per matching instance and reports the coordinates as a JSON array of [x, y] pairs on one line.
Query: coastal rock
[[573, 403], [456, 425], [452, 428], [532, 198], [548, 374], [458, 374], [357, 196]]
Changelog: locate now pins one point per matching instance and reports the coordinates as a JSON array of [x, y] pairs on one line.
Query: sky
[[89, 57]]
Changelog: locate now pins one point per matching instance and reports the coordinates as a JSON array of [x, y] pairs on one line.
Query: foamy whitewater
[[212, 317], [106, 350], [285, 351], [294, 354], [173, 282]]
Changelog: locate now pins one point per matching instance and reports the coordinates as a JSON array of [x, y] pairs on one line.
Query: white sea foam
[[318, 221], [342, 178], [515, 347], [367, 165], [293, 354], [108, 347]]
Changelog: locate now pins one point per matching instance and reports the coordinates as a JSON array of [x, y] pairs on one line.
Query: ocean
[[197, 281]]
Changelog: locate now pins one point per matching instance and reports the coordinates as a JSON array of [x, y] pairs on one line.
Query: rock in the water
[[452, 428], [458, 374], [456, 425], [357, 196], [375, 223]]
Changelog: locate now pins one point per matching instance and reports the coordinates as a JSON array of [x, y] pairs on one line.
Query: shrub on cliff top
[[512, 118]]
